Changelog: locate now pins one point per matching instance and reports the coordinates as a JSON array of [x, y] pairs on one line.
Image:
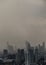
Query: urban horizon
[[30, 55], [13, 44]]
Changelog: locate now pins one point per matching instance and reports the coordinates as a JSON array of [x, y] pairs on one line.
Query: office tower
[[18, 56], [30, 53], [10, 48], [27, 53], [36, 54], [5, 53], [43, 46]]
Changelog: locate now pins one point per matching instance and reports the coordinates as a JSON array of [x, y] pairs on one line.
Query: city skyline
[[30, 55], [12, 46]]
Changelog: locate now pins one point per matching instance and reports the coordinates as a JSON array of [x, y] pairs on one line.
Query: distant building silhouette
[[10, 48]]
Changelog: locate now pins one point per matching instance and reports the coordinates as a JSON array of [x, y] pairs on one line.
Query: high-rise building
[[36, 54], [28, 45], [5, 53], [43, 45], [41, 49], [10, 48], [30, 53], [20, 58]]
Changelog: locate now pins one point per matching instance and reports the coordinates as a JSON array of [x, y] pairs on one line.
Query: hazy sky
[[22, 20]]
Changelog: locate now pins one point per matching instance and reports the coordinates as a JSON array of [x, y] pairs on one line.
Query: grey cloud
[[22, 20]]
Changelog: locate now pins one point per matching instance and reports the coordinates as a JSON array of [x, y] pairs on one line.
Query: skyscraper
[[10, 48]]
